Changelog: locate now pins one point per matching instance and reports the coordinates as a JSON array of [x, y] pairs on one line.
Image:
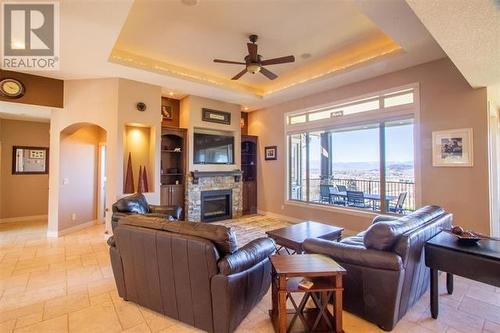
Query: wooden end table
[[479, 262], [326, 275], [292, 237]]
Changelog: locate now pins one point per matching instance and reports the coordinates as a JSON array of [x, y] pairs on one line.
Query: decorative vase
[[140, 185], [129, 178], [145, 179]]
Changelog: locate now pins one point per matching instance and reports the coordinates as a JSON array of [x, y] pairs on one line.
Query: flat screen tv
[[213, 149]]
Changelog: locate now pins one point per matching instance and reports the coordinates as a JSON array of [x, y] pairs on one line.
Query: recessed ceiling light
[[305, 55], [171, 93], [190, 2], [245, 108]]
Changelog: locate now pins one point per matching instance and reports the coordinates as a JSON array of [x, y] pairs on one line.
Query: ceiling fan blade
[[281, 60], [240, 74], [267, 73], [252, 51], [229, 62]]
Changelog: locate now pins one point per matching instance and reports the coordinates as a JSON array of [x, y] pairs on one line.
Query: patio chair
[[398, 208], [335, 197], [341, 188], [356, 199], [324, 193]]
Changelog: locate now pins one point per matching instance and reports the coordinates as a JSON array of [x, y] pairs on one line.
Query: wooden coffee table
[[326, 275], [292, 237]]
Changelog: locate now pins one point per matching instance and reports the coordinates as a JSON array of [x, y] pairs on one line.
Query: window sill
[[336, 209]]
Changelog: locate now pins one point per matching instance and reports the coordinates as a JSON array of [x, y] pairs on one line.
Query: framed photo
[[452, 148], [271, 153], [166, 112], [215, 116], [30, 160]]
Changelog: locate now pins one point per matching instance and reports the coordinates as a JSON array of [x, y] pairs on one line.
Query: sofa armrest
[[111, 241], [354, 255], [174, 211], [247, 256]]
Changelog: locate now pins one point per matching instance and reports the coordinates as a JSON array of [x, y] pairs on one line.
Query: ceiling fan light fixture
[[253, 68]]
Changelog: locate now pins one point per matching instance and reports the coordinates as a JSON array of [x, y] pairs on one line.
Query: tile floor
[[66, 285]]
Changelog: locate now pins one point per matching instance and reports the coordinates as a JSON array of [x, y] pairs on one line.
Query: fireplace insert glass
[[216, 205]]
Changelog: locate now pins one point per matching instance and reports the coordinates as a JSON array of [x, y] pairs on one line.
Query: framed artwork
[[167, 112], [30, 160], [271, 153], [452, 148], [215, 116]]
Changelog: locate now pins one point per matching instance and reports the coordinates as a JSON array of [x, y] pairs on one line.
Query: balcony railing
[[367, 186]]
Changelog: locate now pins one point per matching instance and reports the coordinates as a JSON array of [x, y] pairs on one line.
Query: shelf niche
[[138, 142]]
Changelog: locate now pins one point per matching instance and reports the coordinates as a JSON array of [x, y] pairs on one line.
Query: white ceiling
[[89, 33], [192, 36], [17, 111], [469, 33]]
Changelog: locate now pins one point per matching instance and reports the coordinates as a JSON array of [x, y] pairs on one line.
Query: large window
[[358, 155]]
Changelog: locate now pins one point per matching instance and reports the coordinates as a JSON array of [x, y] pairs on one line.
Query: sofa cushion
[[135, 203], [384, 234], [224, 238]]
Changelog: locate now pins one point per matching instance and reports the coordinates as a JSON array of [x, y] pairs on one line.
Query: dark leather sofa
[[137, 204], [192, 272], [386, 272]]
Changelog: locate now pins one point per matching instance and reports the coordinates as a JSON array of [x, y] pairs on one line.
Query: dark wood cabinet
[[173, 166], [172, 195], [249, 168]]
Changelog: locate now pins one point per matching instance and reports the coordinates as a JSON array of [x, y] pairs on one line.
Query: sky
[[363, 145]]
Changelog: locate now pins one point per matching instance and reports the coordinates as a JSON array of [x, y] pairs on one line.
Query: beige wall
[[447, 102], [78, 171], [111, 105], [22, 195], [138, 145], [191, 118]]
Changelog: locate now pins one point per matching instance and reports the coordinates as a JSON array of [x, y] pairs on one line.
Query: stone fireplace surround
[[198, 182]]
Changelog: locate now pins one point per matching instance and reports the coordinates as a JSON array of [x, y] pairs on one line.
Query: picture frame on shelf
[[453, 148], [271, 153], [167, 112]]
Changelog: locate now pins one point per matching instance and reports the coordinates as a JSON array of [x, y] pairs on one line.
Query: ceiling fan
[[254, 63]]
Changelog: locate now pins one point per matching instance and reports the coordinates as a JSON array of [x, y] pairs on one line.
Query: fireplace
[[216, 205]]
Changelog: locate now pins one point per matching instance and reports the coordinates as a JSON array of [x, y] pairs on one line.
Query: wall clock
[[11, 88]]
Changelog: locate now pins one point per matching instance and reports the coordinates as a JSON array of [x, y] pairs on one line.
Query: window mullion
[[307, 166], [383, 202]]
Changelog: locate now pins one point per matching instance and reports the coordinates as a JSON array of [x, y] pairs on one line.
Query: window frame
[[380, 116]]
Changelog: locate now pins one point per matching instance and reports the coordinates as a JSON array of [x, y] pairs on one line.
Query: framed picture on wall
[[215, 116], [271, 153], [30, 160], [452, 148]]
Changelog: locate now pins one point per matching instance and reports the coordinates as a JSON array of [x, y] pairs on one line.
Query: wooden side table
[[326, 275]]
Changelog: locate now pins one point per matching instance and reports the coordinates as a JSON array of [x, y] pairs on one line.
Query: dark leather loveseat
[[137, 204], [386, 272], [192, 272]]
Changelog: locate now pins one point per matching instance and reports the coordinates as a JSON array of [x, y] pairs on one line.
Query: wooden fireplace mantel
[[200, 174]]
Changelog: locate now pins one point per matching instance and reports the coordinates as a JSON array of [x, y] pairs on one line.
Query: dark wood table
[[293, 236], [479, 262], [326, 275]]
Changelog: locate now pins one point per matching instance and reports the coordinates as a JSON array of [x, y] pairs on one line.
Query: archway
[[82, 186]]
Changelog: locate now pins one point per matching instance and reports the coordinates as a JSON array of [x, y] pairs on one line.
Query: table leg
[[449, 283], [338, 304], [434, 293], [282, 316]]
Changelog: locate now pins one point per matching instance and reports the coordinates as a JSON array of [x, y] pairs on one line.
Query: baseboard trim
[[279, 216], [59, 233], [23, 218]]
